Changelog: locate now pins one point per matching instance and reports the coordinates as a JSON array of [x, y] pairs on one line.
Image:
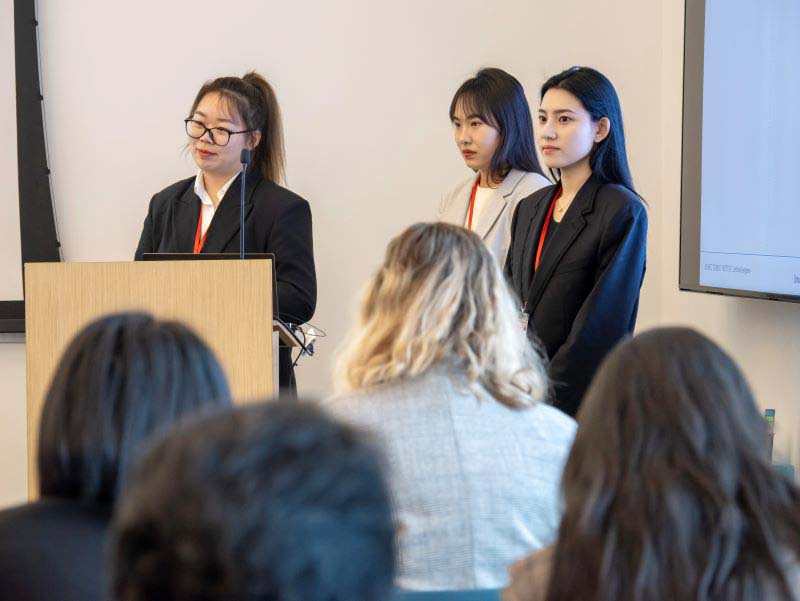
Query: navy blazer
[[54, 549], [277, 221], [584, 297]]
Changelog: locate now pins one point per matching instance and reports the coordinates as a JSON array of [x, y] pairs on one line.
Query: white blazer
[[494, 224]]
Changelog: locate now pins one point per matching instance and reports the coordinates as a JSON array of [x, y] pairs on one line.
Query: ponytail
[[252, 98]]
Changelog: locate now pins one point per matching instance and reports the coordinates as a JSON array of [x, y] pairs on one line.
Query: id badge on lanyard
[[523, 318]]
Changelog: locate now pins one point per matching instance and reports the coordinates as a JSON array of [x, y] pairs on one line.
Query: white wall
[[365, 87], [13, 424]]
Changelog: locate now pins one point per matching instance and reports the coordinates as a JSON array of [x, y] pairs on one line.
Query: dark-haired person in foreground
[[577, 253], [493, 131], [275, 502], [668, 490], [122, 378]]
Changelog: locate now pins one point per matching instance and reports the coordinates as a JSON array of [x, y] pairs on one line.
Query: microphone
[[245, 160]]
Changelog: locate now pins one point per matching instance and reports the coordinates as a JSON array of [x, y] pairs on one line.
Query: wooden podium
[[228, 303]]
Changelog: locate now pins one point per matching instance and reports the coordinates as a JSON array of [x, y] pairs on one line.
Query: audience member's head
[[122, 378], [440, 297], [273, 502], [669, 492]]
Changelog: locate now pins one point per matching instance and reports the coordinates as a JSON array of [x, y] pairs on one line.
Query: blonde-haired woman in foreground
[[439, 367]]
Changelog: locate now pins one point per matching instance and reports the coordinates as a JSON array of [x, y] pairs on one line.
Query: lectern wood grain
[[228, 303]]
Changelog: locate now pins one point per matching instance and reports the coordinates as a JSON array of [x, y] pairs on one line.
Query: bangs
[[472, 101], [232, 105]]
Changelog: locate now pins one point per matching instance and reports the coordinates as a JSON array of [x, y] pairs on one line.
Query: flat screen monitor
[[740, 201]]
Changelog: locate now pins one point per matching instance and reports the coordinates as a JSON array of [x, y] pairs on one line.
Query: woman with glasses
[[201, 214]]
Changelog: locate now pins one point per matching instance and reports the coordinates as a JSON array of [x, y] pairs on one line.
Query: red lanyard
[[472, 202], [199, 236], [546, 225]]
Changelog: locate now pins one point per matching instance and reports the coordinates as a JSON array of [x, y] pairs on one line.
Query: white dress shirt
[[207, 208], [483, 196]]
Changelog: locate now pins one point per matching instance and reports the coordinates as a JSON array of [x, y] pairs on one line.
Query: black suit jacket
[[584, 297], [277, 221], [53, 549]]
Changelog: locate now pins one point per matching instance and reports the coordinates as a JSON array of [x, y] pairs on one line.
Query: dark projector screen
[[740, 201]]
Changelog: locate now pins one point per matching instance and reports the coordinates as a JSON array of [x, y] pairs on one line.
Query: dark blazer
[[584, 297], [277, 221], [53, 549]]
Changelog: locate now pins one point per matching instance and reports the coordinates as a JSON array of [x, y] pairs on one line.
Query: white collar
[[200, 188]]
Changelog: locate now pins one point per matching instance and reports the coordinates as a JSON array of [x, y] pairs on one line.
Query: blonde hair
[[440, 298]]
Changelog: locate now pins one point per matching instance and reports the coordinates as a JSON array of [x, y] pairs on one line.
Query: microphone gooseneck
[[245, 160]]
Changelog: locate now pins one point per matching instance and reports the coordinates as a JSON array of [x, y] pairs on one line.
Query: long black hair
[[122, 378], [499, 100], [608, 159]]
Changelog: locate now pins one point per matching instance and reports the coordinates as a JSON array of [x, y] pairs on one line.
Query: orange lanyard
[[199, 236], [472, 202], [546, 225]]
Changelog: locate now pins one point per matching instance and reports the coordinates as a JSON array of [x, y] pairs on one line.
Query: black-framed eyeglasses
[[219, 135]]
